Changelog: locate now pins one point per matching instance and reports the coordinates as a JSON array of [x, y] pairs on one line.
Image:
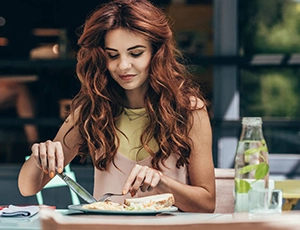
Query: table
[[290, 192], [49, 219]]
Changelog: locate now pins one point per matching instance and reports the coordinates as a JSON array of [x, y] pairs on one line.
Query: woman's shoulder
[[196, 103], [73, 116]]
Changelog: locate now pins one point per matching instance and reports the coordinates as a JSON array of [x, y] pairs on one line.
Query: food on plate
[[154, 202], [105, 205]]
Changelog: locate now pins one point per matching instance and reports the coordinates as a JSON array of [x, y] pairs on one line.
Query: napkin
[[19, 211]]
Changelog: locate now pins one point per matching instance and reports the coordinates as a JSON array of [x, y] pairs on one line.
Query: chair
[[58, 182], [224, 190]]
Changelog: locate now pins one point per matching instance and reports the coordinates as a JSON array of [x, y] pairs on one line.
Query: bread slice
[[105, 205], [160, 201]]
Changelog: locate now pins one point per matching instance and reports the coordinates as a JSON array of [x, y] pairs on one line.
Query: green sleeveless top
[[132, 123]]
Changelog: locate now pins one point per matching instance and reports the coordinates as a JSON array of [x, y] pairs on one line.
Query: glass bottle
[[251, 162]]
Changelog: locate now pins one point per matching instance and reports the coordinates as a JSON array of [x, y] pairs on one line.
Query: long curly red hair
[[100, 98]]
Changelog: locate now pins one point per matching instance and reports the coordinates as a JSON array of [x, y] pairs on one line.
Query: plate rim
[[78, 207]]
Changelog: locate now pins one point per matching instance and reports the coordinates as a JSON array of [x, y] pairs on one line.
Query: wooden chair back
[[224, 190]]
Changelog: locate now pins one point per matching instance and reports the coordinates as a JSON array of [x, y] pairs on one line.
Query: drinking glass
[[265, 201]]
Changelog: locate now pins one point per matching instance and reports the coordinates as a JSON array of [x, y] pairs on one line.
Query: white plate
[[78, 207]]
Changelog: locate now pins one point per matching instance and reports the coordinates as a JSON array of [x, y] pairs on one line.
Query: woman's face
[[129, 56]]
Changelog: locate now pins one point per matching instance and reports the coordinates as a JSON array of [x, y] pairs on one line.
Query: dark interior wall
[[23, 15]]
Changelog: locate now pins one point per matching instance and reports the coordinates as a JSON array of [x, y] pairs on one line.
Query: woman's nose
[[124, 64]]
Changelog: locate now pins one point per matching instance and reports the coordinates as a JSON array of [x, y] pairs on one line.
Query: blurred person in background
[[16, 95]]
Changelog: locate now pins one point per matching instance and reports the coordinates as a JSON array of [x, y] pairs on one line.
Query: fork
[[107, 195]]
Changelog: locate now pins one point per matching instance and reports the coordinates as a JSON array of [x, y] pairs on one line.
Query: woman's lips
[[127, 77]]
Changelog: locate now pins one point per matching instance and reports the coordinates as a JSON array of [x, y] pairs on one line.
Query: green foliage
[[247, 169], [270, 93], [269, 26], [242, 186], [261, 169], [282, 36], [279, 94]]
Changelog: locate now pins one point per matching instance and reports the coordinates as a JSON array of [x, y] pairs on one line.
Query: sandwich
[[105, 205], [154, 202]]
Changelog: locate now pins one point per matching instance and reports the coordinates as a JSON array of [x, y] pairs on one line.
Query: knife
[[77, 188]]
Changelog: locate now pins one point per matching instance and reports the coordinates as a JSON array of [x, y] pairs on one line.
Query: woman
[[138, 115]]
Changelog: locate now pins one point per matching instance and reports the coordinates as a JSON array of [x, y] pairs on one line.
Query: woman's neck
[[135, 98], [134, 104]]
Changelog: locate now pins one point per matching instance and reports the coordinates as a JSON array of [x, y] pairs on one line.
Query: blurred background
[[245, 55]]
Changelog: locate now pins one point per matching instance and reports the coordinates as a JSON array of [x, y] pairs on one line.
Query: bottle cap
[[251, 121]]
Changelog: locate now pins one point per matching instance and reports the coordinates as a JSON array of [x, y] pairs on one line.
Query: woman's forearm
[[188, 198], [31, 178]]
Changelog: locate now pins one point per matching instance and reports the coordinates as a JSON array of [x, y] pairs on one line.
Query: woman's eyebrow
[[137, 46], [111, 49], [130, 48]]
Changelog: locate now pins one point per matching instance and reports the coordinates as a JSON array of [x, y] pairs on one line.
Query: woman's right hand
[[48, 156]]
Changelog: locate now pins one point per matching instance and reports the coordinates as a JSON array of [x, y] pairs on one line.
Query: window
[[270, 87]]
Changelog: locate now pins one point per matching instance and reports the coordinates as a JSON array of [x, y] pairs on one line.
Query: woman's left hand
[[142, 177]]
